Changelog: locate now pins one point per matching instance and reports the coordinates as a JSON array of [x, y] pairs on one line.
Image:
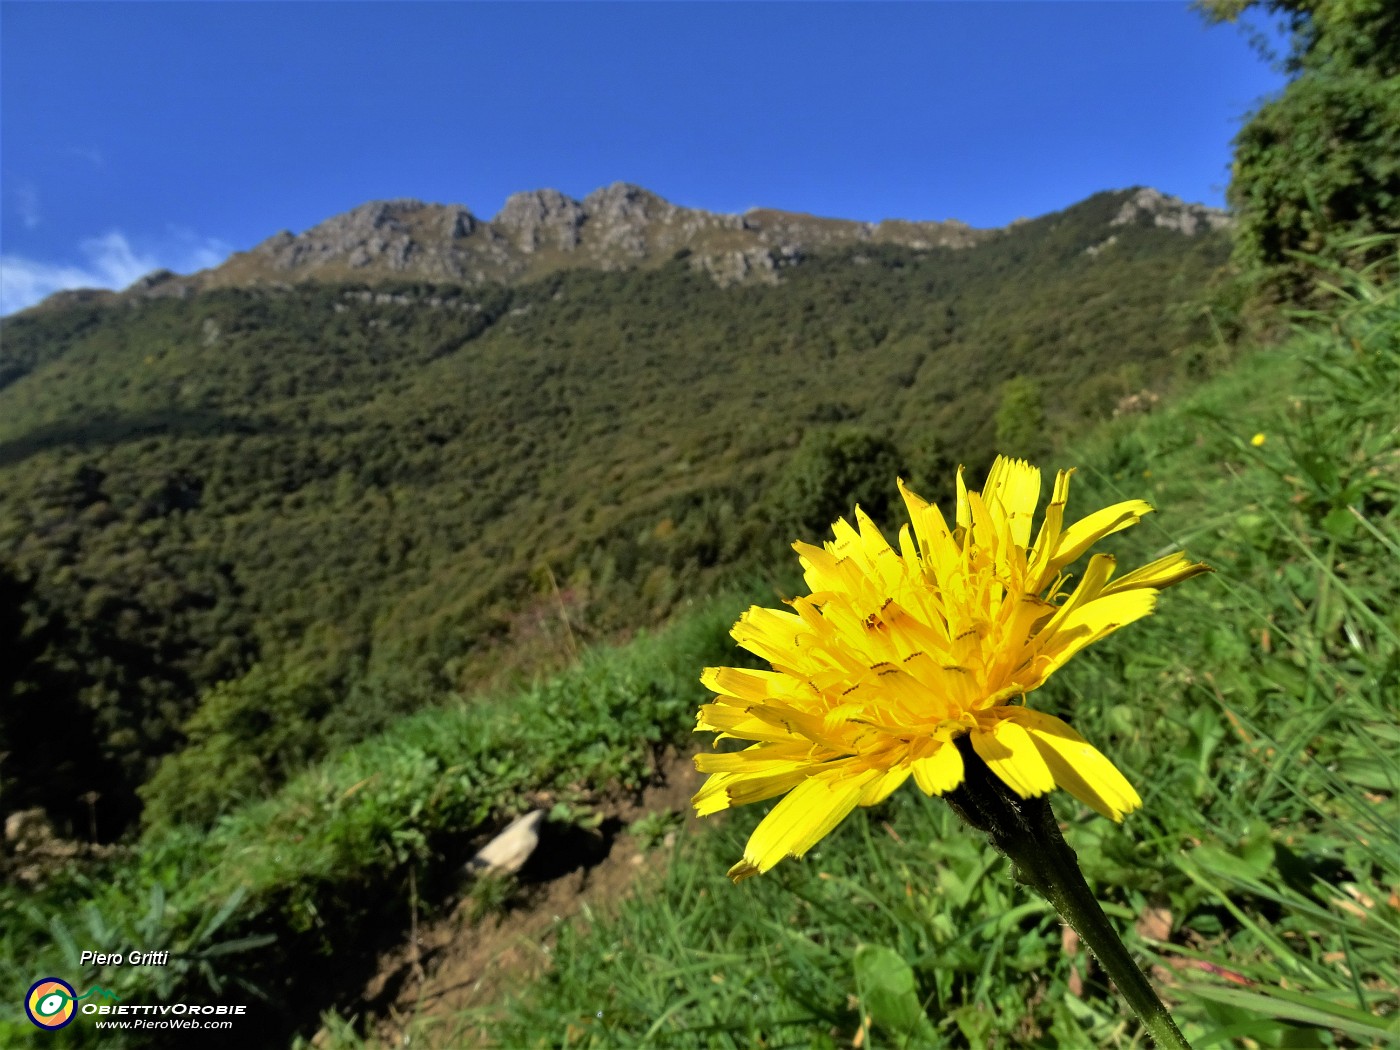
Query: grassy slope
[[1255, 712]]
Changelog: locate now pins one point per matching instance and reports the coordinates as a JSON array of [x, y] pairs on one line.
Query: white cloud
[[195, 252], [110, 261], [113, 258], [27, 204]]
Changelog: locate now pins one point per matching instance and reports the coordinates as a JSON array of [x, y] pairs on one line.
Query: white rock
[[507, 852]]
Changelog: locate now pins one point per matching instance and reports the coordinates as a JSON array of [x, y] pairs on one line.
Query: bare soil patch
[[440, 987]]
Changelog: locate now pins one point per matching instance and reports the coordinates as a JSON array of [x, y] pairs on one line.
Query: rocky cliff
[[617, 227]]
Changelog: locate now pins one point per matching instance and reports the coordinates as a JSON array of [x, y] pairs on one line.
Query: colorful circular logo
[[49, 1003]]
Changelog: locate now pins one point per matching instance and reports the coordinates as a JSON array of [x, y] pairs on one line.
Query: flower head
[[897, 653]]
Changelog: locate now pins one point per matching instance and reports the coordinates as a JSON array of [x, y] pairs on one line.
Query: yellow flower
[[1258, 439], [896, 653]]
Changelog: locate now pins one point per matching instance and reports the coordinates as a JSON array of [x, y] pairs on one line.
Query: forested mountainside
[[243, 525]]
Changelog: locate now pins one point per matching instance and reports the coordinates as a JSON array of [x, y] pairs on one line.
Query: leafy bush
[[830, 473], [1317, 168], [246, 737], [1021, 420]]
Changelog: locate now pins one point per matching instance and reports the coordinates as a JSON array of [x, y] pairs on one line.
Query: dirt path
[[455, 965]]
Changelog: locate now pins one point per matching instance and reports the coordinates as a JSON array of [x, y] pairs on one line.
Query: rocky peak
[[367, 219], [622, 216], [625, 204], [615, 227], [540, 218], [1147, 205], [618, 225], [386, 213], [396, 235], [280, 239]]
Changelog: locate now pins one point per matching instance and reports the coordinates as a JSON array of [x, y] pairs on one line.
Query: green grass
[[1256, 713]]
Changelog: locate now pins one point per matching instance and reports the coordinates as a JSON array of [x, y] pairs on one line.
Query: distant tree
[[1021, 420], [1318, 167], [831, 472]]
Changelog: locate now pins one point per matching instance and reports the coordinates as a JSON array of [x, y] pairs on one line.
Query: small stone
[[28, 830], [507, 852]]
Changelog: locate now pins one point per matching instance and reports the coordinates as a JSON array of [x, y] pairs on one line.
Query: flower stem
[[1025, 831]]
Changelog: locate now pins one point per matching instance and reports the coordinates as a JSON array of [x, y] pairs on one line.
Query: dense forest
[[243, 529]]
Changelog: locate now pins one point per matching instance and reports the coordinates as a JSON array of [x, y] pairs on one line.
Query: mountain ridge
[[617, 227]]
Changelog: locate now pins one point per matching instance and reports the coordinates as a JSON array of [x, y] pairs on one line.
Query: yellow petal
[[1096, 574], [769, 633], [804, 724], [928, 523], [1049, 536], [1030, 610], [884, 785], [820, 568], [1011, 754], [759, 760], [1108, 612], [1079, 767], [1088, 624], [724, 790], [845, 540], [743, 684], [912, 500], [1014, 484], [871, 538], [797, 823], [1086, 532], [712, 796], [963, 515], [1159, 574], [941, 771], [736, 723]]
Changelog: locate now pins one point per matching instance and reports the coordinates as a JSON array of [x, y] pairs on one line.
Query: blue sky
[[140, 135]]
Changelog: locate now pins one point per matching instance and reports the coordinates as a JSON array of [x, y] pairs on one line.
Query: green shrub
[[1021, 420], [246, 738], [832, 472]]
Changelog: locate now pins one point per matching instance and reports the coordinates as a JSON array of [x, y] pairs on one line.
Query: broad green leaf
[[889, 994]]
